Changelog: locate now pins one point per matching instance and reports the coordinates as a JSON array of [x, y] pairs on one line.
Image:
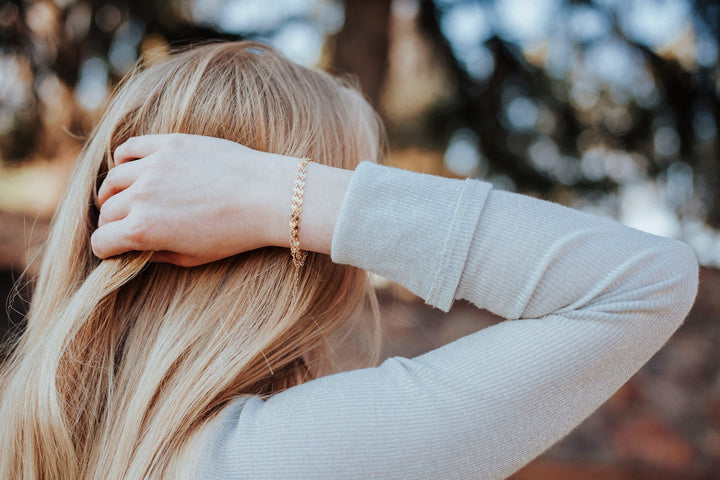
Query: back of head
[[124, 361]]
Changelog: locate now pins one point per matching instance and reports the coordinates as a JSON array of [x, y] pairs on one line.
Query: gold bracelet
[[298, 255]]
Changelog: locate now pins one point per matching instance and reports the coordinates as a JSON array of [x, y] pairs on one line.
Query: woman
[[183, 353]]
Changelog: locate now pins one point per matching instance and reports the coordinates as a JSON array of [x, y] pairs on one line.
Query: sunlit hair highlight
[[124, 362]]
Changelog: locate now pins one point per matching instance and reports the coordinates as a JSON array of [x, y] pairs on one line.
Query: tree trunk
[[361, 47]]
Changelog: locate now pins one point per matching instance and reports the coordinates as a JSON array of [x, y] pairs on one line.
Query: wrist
[[283, 172], [325, 189], [323, 194]]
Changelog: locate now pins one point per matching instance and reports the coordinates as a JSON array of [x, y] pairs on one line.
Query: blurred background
[[608, 106]]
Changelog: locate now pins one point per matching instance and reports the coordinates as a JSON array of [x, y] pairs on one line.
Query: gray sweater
[[587, 300]]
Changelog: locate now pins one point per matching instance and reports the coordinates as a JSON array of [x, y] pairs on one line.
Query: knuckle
[[138, 230], [157, 166], [144, 188], [108, 209]]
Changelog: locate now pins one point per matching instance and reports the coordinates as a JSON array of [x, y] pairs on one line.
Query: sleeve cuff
[[412, 228]]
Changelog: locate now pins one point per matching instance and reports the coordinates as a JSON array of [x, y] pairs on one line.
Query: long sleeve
[[587, 300]]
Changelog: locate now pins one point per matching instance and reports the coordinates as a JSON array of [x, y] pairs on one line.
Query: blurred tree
[[573, 96], [523, 84], [66, 39], [361, 47]]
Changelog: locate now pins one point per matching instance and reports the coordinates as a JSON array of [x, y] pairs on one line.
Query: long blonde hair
[[124, 361]]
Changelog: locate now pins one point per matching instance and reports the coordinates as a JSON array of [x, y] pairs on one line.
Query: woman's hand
[[195, 199]]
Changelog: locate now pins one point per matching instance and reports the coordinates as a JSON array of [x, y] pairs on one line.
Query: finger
[[138, 147], [112, 239], [118, 179], [115, 208]]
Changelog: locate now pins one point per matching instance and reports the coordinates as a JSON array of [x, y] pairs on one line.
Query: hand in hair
[[194, 199]]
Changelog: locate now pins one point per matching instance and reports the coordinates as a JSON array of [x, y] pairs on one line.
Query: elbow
[[655, 289], [684, 272], [658, 283]]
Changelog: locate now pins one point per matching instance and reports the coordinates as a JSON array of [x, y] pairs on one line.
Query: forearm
[[512, 254]]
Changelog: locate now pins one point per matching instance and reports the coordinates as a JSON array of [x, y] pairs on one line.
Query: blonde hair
[[124, 361]]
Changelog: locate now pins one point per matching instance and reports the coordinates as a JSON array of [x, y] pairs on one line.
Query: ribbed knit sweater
[[587, 300]]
